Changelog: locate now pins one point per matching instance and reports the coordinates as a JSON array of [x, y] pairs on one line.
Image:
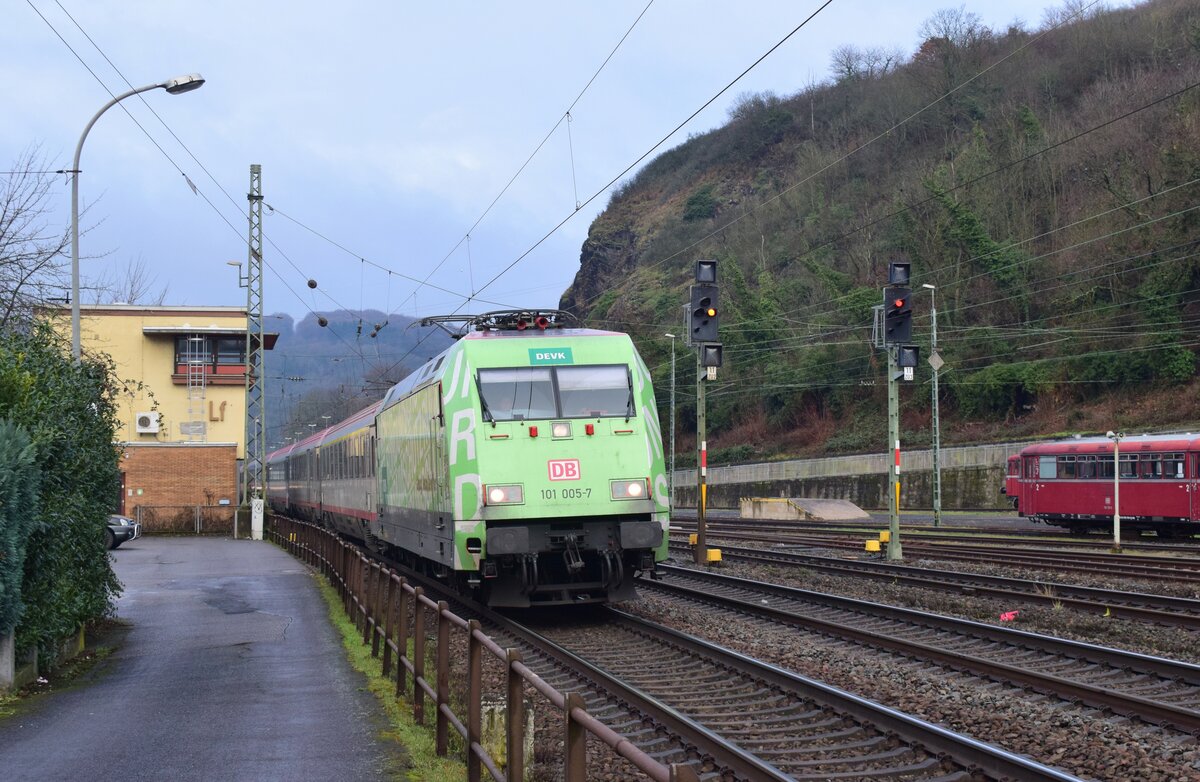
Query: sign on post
[[256, 519]]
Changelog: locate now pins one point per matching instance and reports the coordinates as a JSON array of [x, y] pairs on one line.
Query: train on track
[[1075, 484], [524, 464]]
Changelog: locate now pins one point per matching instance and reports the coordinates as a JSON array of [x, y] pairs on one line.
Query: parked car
[[120, 529]]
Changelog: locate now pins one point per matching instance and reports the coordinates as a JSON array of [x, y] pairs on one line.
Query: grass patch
[[423, 764]]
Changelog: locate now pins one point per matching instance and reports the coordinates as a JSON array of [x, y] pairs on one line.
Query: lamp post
[[935, 361], [176, 86], [1116, 437], [671, 482], [326, 418]]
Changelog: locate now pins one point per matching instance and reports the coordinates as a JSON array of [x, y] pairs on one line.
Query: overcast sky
[[390, 127]]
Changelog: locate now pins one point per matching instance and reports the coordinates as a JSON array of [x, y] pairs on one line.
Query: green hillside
[[1046, 181]]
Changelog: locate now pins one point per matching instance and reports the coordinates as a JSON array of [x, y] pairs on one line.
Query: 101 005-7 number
[[566, 494]]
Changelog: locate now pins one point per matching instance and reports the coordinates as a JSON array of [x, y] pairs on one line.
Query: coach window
[[1173, 466], [1066, 467], [1046, 467], [1129, 465], [1151, 465], [1086, 467]]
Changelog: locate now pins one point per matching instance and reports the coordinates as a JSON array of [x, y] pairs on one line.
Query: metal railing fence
[[181, 519], [390, 612]]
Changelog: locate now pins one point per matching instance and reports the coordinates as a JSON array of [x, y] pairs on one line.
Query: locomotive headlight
[[505, 494], [635, 489], [560, 429]]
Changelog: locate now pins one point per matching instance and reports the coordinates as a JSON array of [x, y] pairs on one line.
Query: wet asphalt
[[225, 667]]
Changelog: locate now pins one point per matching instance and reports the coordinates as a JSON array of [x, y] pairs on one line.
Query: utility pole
[[935, 361], [253, 472], [1116, 437]]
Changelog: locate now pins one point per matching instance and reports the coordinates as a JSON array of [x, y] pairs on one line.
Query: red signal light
[[898, 303]]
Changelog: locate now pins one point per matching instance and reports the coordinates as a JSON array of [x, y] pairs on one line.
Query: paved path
[[229, 670]]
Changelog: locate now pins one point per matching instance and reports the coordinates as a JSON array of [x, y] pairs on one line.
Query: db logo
[[564, 469]]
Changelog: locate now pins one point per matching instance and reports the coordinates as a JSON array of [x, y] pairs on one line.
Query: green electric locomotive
[[525, 462]]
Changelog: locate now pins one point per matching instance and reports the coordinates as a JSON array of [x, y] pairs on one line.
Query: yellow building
[[183, 408]]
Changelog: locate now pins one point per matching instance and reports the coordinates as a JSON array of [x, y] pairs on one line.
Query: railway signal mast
[[902, 360], [704, 320]]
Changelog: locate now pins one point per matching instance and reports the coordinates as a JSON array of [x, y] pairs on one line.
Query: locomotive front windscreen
[[518, 394]]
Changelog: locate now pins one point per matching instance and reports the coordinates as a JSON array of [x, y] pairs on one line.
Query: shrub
[[70, 414]]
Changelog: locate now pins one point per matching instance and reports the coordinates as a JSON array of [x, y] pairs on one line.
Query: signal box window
[[517, 394], [594, 392]]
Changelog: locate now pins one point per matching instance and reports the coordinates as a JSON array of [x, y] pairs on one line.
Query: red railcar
[[1070, 483]]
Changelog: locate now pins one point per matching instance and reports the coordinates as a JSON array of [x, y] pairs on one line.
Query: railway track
[[795, 727], [996, 534], [1178, 569], [1135, 606], [733, 718], [1153, 689]]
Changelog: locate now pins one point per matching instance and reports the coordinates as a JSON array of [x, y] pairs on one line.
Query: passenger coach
[[1071, 484]]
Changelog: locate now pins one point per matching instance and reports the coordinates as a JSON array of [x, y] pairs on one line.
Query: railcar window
[[595, 391], [1172, 466], [1151, 465], [1129, 465], [1046, 467], [517, 394], [1066, 467], [1086, 467]]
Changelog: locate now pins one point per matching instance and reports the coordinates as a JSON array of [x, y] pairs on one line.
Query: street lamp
[[935, 361], [176, 86], [671, 482], [1116, 437]]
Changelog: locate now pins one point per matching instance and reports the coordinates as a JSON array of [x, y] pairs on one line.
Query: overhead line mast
[[253, 478]]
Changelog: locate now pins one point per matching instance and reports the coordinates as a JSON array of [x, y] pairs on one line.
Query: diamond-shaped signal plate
[[936, 362]]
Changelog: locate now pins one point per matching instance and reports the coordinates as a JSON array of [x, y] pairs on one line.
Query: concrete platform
[[801, 509], [228, 669]]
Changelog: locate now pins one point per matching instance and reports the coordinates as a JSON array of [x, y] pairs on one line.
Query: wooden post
[[516, 718], [418, 656], [575, 741], [474, 701], [443, 678]]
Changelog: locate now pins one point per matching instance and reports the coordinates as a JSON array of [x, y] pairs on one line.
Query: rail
[[380, 602]]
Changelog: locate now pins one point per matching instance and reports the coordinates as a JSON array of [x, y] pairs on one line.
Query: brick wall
[[169, 474]]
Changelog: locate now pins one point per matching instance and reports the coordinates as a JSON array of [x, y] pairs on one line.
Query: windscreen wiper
[[483, 405], [629, 405]]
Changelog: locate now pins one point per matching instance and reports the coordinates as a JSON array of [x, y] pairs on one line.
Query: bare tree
[[135, 284], [34, 262], [849, 63]]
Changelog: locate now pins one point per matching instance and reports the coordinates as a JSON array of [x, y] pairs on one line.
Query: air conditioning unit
[[147, 423]]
